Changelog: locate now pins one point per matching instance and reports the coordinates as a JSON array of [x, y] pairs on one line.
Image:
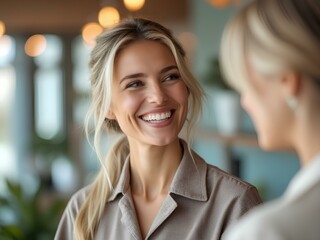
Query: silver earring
[[292, 102]]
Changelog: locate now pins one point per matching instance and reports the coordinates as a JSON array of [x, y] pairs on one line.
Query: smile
[[157, 117]]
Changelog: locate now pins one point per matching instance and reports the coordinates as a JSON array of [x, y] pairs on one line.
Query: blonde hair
[[276, 35], [103, 55]]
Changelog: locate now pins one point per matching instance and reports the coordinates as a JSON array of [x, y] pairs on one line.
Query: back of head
[[276, 35]]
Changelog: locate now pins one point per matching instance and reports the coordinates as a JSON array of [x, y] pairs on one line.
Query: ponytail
[[92, 209]]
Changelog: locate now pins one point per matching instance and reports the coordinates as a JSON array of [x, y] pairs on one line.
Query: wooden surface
[[69, 16], [243, 139]]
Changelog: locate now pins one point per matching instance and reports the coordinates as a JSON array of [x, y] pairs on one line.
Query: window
[[49, 91], [8, 159]]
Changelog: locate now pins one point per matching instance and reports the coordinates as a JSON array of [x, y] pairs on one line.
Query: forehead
[[143, 55], [143, 46]]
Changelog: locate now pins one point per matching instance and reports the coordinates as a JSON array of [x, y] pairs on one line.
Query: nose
[[157, 94]]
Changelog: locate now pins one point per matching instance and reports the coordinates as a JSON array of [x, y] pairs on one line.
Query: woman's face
[[264, 101], [149, 98]]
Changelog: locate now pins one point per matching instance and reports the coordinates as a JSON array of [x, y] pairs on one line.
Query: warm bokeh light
[[35, 45], [134, 5], [108, 16], [2, 28], [90, 31], [219, 3]]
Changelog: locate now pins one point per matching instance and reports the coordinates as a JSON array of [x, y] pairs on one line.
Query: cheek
[[128, 103], [265, 113], [254, 107], [180, 94], [246, 103], [124, 104]]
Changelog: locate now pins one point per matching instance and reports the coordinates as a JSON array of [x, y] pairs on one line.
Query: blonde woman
[[271, 54], [151, 185]]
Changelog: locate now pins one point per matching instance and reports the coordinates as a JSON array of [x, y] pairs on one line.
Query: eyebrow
[[166, 69], [137, 75]]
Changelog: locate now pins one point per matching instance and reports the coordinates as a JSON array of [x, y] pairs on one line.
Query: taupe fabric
[[202, 202]]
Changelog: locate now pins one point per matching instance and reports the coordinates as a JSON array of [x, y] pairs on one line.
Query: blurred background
[[44, 95]]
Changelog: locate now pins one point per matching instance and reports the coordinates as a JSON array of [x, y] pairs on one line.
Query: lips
[[157, 117]]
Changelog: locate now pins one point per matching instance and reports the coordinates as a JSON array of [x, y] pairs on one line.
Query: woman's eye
[[172, 77], [134, 84]]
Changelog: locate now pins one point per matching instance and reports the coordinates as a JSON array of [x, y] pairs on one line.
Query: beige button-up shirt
[[203, 200]]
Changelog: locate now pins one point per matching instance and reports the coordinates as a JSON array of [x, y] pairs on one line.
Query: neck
[[153, 168], [307, 137]]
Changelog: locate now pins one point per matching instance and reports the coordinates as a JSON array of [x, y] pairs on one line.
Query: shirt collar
[[189, 180], [124, 181], [305, 179]]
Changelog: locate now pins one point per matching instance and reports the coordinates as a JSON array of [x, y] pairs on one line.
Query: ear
[[110, 115], [291, 84]]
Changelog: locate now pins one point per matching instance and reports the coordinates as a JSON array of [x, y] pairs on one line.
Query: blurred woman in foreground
[[271, 54]]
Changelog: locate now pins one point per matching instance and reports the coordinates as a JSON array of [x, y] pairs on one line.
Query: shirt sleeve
[[66, 224], [249, 199]]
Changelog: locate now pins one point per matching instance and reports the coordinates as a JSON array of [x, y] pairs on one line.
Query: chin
[[160, 142], [266, 147], [269, 145]]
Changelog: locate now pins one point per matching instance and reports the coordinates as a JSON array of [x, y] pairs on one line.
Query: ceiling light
[[108, 16], [2, 28], [134, 5], [35, 45], [90, 31]]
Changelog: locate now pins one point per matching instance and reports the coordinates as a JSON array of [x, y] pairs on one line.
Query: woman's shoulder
[[229, 186], [66, 225], [227, 193], [78, 198], [217, 175]]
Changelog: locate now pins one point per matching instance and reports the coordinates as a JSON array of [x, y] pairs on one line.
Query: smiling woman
[[150, 99], [151, 184]]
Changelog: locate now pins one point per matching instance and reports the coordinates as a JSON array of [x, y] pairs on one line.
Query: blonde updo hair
[[103, 55], [276, 35]]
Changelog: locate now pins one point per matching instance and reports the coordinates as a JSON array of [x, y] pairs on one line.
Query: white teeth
[[157, 117]]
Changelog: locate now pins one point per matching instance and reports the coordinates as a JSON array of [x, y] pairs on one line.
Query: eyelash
[[137, 83], [134, 84], [173, 76]]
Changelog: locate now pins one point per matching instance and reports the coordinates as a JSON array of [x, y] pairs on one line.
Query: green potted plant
[[32, 218], [213, 76], [223, 101]]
